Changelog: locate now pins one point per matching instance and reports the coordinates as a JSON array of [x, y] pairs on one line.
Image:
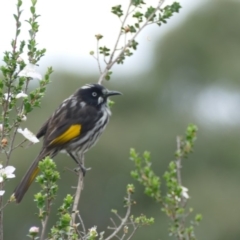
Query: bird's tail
[[28, 178]]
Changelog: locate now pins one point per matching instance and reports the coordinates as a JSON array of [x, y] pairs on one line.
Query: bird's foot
[[82, 168]]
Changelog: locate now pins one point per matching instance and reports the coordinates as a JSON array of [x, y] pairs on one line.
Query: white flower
[[30, 71], [21, 94], [28, 135], [93, 231], [6, 173], [23, 117], [7, 97], [34, 229], [2, 192], [185, 192]]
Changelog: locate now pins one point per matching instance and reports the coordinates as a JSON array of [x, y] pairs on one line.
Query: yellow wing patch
[[33, 176], [68, 135]]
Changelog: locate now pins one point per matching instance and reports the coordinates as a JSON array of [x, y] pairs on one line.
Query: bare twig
[[77, 194], [44, 226], [82, 224], [133, 232], [19, 145], [113, 60], [45, 221], [97, 58], [123, 236], [134, 229], [120, 33], [123, 220], [1, 215], [115, 225], [179, 161], [5, 205]]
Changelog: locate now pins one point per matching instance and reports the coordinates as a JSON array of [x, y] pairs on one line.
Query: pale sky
[[67, 30]]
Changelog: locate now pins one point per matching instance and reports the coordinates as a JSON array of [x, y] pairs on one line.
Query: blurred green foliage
[[201, 51]]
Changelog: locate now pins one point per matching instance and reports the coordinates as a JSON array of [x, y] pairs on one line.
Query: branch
[[120, 33], [82, 224], [134, 229], [17, 124], [123, 220], [45, 221], [113, 60], [44, 226], [97, 58], [179, 161], [77, 194]]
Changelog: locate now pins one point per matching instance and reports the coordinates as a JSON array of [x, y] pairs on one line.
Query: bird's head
[[96, 94]]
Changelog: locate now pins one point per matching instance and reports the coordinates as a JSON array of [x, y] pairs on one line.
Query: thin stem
[[16, 127], [17, 28], [98, 60], [115, 225], [179, 161], [20, 144], [134, 229], [123, 236], [82, 224], [179, 179], [45, 221], [120, 33], [10, 80], [113, 60], [77, 194], [133, 232], [1, 215], [4, 205], [5, 109], [44, 226], [123, 220]]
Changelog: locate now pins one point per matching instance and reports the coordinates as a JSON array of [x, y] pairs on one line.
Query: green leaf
[[117, 10], [34, 2], [1, 84], [138, 15], [149, 12], [15, 17], [137, 3], [27, 106], [108, 75], [198, 218], [104, 50], [19, 4], [134, 44], [132, 29], [32, 9]]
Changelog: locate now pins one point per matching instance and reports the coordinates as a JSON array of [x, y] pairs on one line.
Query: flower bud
[[19, 60], [126, 29], [4, 142], [33, 231], [98, 36]]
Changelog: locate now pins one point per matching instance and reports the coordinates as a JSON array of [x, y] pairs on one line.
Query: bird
[[74, 127]]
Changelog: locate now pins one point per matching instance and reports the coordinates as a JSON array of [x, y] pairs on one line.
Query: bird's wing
[[69, 123], [42, 131]]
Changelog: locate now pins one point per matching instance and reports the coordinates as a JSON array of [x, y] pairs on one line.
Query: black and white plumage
[[74, 127]]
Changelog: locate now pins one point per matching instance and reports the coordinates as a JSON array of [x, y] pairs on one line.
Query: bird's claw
[[82, 168]]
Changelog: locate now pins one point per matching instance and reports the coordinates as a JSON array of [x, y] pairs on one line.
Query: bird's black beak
[[112, 93]]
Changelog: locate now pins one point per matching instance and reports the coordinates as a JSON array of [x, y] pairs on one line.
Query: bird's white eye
[[94, 94]]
